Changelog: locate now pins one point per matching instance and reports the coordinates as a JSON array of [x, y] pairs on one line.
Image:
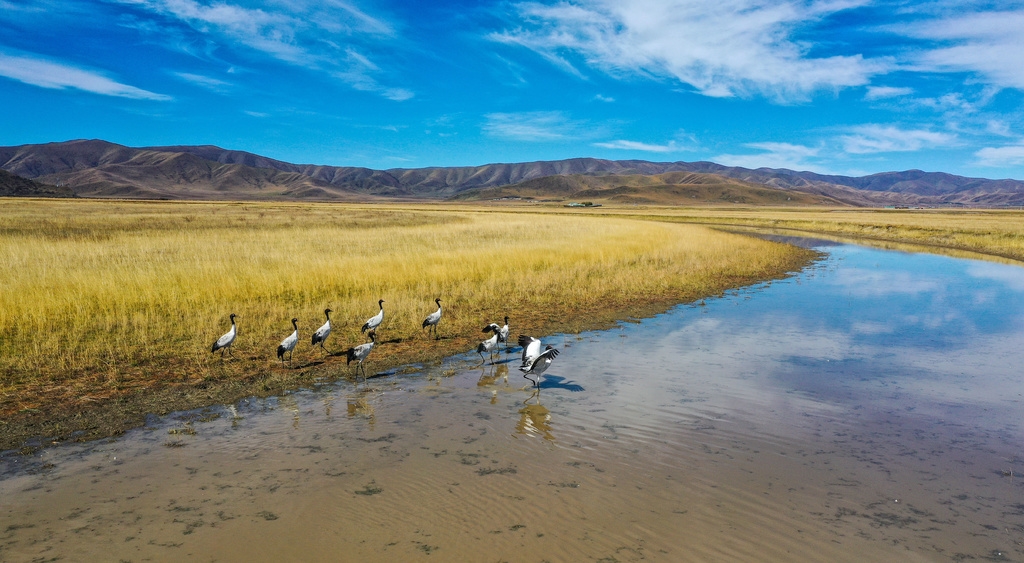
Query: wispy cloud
[[211, 84], [725, 48], [537, 126], [359, 74], [998, 127], [773, 155], [602, 98], [874, 138], [44, 73], [1001, 157], [320, 36], [882, 92], [987, 43], [622, 144]]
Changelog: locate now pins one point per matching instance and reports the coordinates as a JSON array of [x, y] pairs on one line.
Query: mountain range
[[95, 168]]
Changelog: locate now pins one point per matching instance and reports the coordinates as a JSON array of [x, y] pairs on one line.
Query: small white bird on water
[[434, 318], [501, 331], [288, 344], [375, 320], [225, 342], [323, 332], [488, 346], [359, 353], [539, 365]]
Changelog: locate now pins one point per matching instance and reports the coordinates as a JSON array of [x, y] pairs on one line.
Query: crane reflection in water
[[359, 406], [535, 419]]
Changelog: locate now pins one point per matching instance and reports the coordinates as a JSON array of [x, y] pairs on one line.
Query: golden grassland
[[114, 305], [985, 231]]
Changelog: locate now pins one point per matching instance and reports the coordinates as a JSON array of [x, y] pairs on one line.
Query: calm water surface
[[868, 409]]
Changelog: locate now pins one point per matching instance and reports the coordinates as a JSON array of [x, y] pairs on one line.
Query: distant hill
[[16, 186], [671, 188], [101, 169], [95, 168]]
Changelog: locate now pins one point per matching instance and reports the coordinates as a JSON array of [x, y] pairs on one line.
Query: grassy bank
[[109, 308], [985, 231]]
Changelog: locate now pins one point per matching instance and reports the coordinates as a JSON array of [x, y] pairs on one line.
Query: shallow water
[[868, 409]]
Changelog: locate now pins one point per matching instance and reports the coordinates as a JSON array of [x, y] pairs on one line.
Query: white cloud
[[602, 98], [874, 283], [954, 104], [773, 155], [212, 84], [47, 74], [1001, 157], [532, 126], [1010, 276], [724, 48], [998, 127], [881, 92], [987, 43], [622, 144], [873, 138], [302, 33], [271, 32]]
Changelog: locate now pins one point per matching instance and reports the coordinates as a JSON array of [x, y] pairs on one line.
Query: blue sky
[[834, 86]]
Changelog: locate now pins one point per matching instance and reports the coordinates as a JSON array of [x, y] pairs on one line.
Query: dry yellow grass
[[102, 299], [986, 231]]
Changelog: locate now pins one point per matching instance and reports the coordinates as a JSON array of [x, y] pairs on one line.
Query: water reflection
[[490, 375], [359, 405], [535, 419]]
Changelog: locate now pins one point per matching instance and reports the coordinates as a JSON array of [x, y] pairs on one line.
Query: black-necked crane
[[539, 365], [323, 332], [359, 353], [434, 318], [531, 349], [373, 322], [488, 346], [225, 342], [288, 344], [501, 331]]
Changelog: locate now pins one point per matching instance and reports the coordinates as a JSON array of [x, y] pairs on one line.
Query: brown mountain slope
[[672, 188], [16, 186], [911, 187], [101, 169]]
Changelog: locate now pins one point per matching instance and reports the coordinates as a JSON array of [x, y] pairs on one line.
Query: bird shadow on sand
[[556, 382], [497, 362]]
